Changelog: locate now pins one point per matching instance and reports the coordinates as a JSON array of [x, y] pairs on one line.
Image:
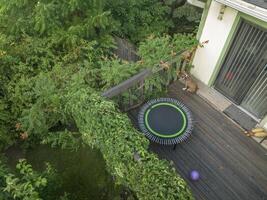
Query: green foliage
[[156, 49], [114, 71], [63, 94], [187, 11], [3, 172], [185, 17], [44, 113], [64, 139], [85, 19], [118, 140], [5, 126], [22, 84], [26, 187], [45, 109], [56, 57], [139, 18], [28, 184], [112, 133]]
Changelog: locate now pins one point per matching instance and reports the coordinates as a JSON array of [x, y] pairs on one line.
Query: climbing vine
[[113, 134]]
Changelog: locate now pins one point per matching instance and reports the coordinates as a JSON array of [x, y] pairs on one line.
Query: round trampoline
[[165, 121]]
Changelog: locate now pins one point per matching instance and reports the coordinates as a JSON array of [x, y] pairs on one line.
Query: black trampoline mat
[[165, 119]]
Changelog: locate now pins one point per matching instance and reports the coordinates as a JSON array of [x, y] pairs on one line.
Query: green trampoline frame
[[165, 139]]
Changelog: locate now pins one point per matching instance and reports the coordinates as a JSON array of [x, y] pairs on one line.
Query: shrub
[[104, 127], [28, 184]]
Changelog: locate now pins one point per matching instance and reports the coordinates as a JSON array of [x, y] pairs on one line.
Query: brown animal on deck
[[256, 132], [190, 84]]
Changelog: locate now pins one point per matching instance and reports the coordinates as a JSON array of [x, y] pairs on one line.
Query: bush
[[28, 184], [139, 18], [104, 127]]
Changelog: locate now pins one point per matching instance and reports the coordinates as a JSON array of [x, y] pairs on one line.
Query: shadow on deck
[[231, 165]]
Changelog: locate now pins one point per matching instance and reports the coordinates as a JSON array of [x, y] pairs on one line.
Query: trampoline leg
[[174, 147]]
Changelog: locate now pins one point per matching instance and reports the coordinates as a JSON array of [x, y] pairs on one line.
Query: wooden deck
[[232, 166]]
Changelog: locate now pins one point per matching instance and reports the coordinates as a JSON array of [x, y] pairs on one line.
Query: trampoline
[[165, 121]]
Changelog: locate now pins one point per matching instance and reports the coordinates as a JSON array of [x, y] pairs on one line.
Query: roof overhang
[[197, 3], [246, 8]]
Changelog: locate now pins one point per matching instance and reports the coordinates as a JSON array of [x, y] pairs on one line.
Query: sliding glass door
[[243, 75]]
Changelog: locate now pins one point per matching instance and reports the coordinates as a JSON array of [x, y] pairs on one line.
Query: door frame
[[240, 16], [219, 64], [239, 53]]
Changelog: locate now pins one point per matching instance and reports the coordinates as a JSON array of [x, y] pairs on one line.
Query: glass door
[[243, 64]]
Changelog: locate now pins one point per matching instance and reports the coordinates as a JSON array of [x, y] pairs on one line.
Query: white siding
[[216, 31]]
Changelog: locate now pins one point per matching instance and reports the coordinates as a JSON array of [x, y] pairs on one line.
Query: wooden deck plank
[[232, 166]]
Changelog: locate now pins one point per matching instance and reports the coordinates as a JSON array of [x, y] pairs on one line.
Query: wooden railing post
[[138, 81]]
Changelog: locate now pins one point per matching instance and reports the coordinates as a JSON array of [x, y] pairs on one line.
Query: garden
[[59, 137]]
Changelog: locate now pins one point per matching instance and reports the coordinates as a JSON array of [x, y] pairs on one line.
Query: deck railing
[[131, 93]]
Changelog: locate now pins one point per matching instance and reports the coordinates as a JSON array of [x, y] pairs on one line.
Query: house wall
[[207, 60], [216, 31]]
